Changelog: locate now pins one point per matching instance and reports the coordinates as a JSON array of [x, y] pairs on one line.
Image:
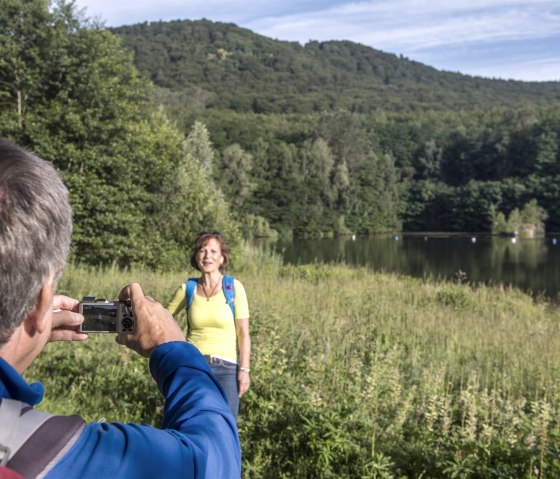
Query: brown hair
[[201, 239]]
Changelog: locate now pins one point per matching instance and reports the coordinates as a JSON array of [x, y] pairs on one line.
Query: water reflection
[[530, 264]]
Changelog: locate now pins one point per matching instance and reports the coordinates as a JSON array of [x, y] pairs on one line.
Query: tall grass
[[354, 374]]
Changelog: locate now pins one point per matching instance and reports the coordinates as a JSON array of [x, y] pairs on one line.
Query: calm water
[[530, 264]]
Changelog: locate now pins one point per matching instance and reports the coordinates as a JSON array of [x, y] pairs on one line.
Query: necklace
[[208, 296]]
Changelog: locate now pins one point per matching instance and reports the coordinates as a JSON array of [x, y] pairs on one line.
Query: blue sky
[[508, 39]]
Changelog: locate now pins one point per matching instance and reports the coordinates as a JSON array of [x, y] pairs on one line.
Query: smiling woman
[[217, 316]]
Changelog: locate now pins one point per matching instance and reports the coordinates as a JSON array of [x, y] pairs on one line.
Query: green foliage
[[533, 217], [354, 374], [396, 378], [257, 227], [528, 222], [499, 224], [313, 272], [370, 167], [456, 298], [223, 66], [24, 46], [124, 392], [313, 150], [71, 93], [421, 172], [232, 173], [328, 139], [200, 146]]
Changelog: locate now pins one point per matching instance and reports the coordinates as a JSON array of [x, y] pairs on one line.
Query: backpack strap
[[229, 292], [190, 288], [227, 287], [18, 425], [33, 441]]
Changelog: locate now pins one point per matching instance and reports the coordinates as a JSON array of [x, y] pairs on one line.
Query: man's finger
[[67, 319], [67, 335], [65, 302], [131, 292]]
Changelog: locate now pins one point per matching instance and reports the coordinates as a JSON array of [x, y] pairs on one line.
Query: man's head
[[35, 229]]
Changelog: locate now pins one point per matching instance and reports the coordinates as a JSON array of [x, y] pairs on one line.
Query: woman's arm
[[178, 302], [244, 344]]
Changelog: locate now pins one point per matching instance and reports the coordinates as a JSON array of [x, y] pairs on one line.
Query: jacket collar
[[13, 386]]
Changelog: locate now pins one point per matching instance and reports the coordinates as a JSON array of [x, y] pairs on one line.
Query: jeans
[[226, 374]]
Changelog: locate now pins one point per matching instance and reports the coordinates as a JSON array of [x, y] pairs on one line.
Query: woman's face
[[209, 258]]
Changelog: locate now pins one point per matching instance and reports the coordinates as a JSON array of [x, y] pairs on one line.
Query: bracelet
[[245, 370]]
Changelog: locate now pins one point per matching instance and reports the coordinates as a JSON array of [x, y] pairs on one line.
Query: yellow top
[[211, 326]]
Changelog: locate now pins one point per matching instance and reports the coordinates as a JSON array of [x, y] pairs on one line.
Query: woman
[[217, 316]]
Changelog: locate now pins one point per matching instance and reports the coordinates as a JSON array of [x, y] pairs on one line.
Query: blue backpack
[[227, 287]]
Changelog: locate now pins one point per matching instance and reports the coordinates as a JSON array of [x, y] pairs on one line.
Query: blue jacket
[[198, 438]]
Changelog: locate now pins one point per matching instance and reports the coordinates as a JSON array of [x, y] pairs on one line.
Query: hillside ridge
[[229, 67]]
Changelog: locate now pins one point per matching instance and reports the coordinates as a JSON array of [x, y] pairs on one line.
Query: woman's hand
[[243, 382]]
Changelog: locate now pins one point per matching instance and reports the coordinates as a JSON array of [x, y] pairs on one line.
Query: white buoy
[[396, 238], [514, 240], [473, 239], [554, 241], [353, 237]]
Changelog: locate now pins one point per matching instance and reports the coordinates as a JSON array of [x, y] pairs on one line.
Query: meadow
[[354, 374]]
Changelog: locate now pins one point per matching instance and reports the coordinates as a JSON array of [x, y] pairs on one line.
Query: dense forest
[[336, 137], [160, 130], [223, 66]]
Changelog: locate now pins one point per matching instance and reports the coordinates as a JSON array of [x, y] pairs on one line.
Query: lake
[[532, 265]]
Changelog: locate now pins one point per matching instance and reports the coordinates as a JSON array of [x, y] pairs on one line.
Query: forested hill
[[219, 65]]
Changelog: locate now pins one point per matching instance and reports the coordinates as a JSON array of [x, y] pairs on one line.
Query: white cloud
[[413, 25]]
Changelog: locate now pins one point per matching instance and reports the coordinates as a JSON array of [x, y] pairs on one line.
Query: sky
[[508, 39]]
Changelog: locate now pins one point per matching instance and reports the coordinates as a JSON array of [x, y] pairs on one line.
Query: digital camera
[[102, 316]]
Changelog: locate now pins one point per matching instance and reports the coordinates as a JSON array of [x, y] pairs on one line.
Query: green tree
[[234, 174], [24, 44], [376, 204], [200, 147], [548, 152], [88, 112], [499, 224], [317, 194], [533, 218], [341, 184], [429, 160], [514, 221]]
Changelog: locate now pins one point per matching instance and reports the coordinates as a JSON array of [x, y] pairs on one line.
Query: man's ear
[[38, 317]]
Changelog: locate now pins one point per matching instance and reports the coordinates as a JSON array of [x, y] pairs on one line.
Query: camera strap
[[32, 441]]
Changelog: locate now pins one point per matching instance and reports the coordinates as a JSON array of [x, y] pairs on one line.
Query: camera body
[[103, 316]]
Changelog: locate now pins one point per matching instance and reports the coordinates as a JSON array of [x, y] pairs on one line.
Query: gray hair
[[35, 230]]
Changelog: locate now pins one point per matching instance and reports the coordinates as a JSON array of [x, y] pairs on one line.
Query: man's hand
[[66, 319], [154, 324]]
